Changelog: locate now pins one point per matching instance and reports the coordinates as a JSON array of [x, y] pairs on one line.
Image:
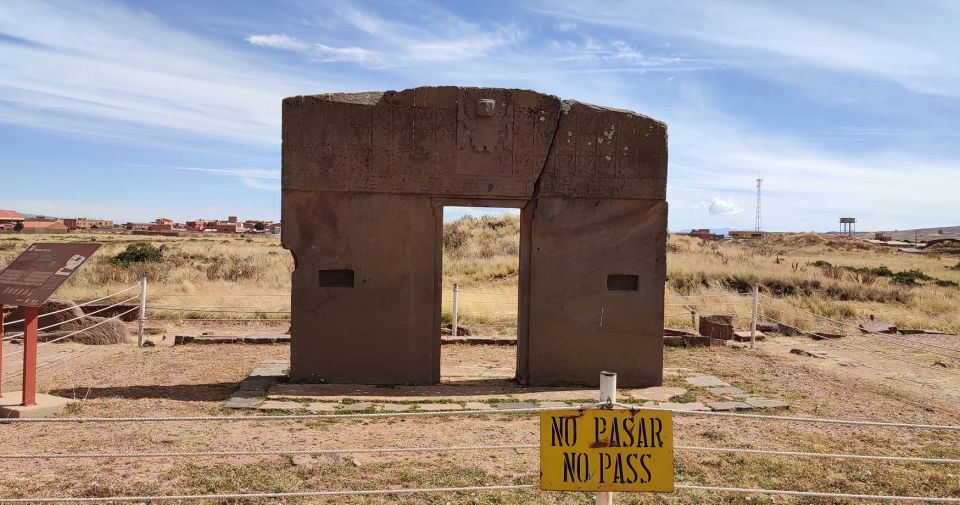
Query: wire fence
[[66, 329], [525, 487], [769, 309]]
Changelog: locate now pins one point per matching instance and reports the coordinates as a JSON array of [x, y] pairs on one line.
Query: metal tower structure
[[758, 227]]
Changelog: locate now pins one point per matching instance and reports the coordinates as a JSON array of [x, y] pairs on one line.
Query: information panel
[[31, 278], [606, 450]]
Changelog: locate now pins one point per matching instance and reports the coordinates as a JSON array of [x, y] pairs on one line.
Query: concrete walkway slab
[[706, 381], [728, 406]]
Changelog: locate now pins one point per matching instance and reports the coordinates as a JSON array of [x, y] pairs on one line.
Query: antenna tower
[[758, 225]]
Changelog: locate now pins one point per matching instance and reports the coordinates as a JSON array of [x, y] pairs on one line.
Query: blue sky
[[133, 110]]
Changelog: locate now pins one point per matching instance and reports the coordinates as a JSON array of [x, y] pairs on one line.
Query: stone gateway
[[365, 180]]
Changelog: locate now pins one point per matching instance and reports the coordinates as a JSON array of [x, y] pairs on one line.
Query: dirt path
[[196, 379]]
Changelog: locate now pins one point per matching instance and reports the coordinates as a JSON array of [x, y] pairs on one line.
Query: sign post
[[29, 357], [28, 281], [606, 450]]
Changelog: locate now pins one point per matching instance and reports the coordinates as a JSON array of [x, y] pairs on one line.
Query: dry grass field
[[862, 379], [828, 275]]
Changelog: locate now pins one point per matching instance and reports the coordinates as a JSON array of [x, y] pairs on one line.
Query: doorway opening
[[480, 288]]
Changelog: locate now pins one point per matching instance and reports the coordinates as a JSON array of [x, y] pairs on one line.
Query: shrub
[[821, 264], [882, 271], [139, 252], [910, 277], [946, 284], [955, 267]]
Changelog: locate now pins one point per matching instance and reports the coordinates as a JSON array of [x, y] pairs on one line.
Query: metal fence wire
[[761, 307]]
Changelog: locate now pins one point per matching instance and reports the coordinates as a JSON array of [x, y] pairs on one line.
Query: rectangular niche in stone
[[342, 278], [623, 282]]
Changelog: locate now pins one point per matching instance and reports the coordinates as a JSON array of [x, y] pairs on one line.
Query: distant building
[[82, 223], [228, 227], [9, 219], [196, 225], [44, 227], [746, 234], [10, 216], [704, 234], [164, 221], [883, 237], [231, 219], [137, 226]]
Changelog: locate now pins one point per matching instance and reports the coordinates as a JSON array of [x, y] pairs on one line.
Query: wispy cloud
[[914, 47], [254, 178], [278, 41], [101, 68], [437, 36]]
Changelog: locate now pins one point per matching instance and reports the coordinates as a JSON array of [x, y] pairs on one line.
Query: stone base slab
[[47, 405]]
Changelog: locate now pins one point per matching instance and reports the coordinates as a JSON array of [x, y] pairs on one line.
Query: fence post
[[753, 317], [608, 393], [695, 318], [29, 356], [455, 309], [143, 310]]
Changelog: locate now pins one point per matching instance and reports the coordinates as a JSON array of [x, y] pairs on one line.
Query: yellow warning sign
[[606, 450]]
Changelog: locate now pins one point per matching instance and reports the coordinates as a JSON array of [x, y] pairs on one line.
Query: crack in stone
[[564, 107]]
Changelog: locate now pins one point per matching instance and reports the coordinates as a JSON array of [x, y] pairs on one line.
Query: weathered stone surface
[[439, 407], [917, 331], [394, 407], [744, 336], [364, 179], [673, 340], [672, 332], [356, 407], [786, 329], [878, 326], [822, 335], [729, 391], [727, 406], [768, 327], [515, 405], [478, 406], [322, 407], [706, 381], [555, 405], [480, 340], [208, 338], [717, 326], [680, 407], [658, 394], [239, 402], [280, 405], [697, 341], [811, 354]]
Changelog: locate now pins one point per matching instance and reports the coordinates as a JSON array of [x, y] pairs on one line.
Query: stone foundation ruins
[[365, 180]]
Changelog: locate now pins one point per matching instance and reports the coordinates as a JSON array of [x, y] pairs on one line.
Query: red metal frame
[[29, 356]]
